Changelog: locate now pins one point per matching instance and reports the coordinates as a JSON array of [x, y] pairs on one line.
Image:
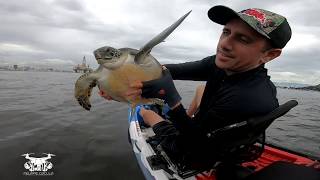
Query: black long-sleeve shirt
[[226, 100]]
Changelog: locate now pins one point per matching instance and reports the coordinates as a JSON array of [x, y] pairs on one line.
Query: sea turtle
[[119, 67]]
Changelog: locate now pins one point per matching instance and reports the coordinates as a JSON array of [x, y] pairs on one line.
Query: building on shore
[[84, 67]]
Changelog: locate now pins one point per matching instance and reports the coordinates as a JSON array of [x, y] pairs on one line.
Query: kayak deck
[[272, 154]]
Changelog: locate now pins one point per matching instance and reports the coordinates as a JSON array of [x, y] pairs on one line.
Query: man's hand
[[105, 95], [135, 90], [162, 88], [149, 117]]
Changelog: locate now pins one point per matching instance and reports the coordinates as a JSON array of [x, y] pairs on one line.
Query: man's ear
[[270, 55]]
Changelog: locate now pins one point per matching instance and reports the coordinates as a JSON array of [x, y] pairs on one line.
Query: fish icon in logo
[[38, 163]]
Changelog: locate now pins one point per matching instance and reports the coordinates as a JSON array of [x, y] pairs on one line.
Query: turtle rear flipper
[[83, 88]]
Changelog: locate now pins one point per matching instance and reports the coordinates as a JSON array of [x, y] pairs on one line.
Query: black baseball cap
[[269, 24]]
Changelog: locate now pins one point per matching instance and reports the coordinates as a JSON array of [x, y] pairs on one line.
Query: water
[[299, 129], [38, 114]]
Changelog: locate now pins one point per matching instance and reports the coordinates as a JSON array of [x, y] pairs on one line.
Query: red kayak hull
[[270, 155]]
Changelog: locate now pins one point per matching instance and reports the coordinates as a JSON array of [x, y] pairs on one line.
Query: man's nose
[[226, 43]]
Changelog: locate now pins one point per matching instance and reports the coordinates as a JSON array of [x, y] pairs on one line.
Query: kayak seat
[[281, 170], [244, 141]]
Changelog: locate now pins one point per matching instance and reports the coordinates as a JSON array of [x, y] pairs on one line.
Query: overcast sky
[[59, 33]]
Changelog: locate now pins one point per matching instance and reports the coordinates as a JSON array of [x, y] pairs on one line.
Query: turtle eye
[[112, 54]]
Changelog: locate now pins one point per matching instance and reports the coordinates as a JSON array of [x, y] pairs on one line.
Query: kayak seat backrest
[[244, 141]]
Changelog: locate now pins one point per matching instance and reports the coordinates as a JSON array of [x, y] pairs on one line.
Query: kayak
[[274, 162]]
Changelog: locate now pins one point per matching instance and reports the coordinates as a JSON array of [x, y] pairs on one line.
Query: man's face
[[240, 48]]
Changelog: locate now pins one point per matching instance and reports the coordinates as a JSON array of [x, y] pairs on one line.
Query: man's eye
[[225, 32], [244, 40]]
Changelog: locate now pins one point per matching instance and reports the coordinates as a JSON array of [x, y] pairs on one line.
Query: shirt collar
[[237, 76]]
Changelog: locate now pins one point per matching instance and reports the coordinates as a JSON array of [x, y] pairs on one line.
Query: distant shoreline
[[308, 88], [278, 84], [54, 70]]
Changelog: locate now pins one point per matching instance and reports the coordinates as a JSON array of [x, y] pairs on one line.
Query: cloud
[[296, 78], [33, 31], [58, 61], [287, 76], [6, 47]]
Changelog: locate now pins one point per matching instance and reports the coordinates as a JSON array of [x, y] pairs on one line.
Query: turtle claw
[[84, 103]]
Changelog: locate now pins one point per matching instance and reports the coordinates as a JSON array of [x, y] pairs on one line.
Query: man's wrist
[[173, 98]]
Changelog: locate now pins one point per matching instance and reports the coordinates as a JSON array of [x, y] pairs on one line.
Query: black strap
[[265, 121], [260, 123]]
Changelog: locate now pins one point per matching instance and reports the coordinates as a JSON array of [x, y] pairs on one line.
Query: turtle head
[[107, 54]]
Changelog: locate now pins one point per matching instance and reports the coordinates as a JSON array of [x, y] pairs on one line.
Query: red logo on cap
[[256, 14]]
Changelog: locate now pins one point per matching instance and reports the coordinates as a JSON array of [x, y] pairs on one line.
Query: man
[[237, 84]]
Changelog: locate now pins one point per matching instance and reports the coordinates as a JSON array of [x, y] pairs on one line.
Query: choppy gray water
[[38, 114]]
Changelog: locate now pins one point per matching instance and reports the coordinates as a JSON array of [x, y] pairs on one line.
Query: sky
[[58, 33]]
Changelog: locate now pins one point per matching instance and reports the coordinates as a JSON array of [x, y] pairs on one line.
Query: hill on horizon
[[290, 85]]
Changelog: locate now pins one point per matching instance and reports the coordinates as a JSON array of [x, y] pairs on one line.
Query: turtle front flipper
[[146, 49], [83, 88]]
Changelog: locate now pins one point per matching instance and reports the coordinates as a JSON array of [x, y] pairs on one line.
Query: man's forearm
[[181, 120], [196, 70]]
